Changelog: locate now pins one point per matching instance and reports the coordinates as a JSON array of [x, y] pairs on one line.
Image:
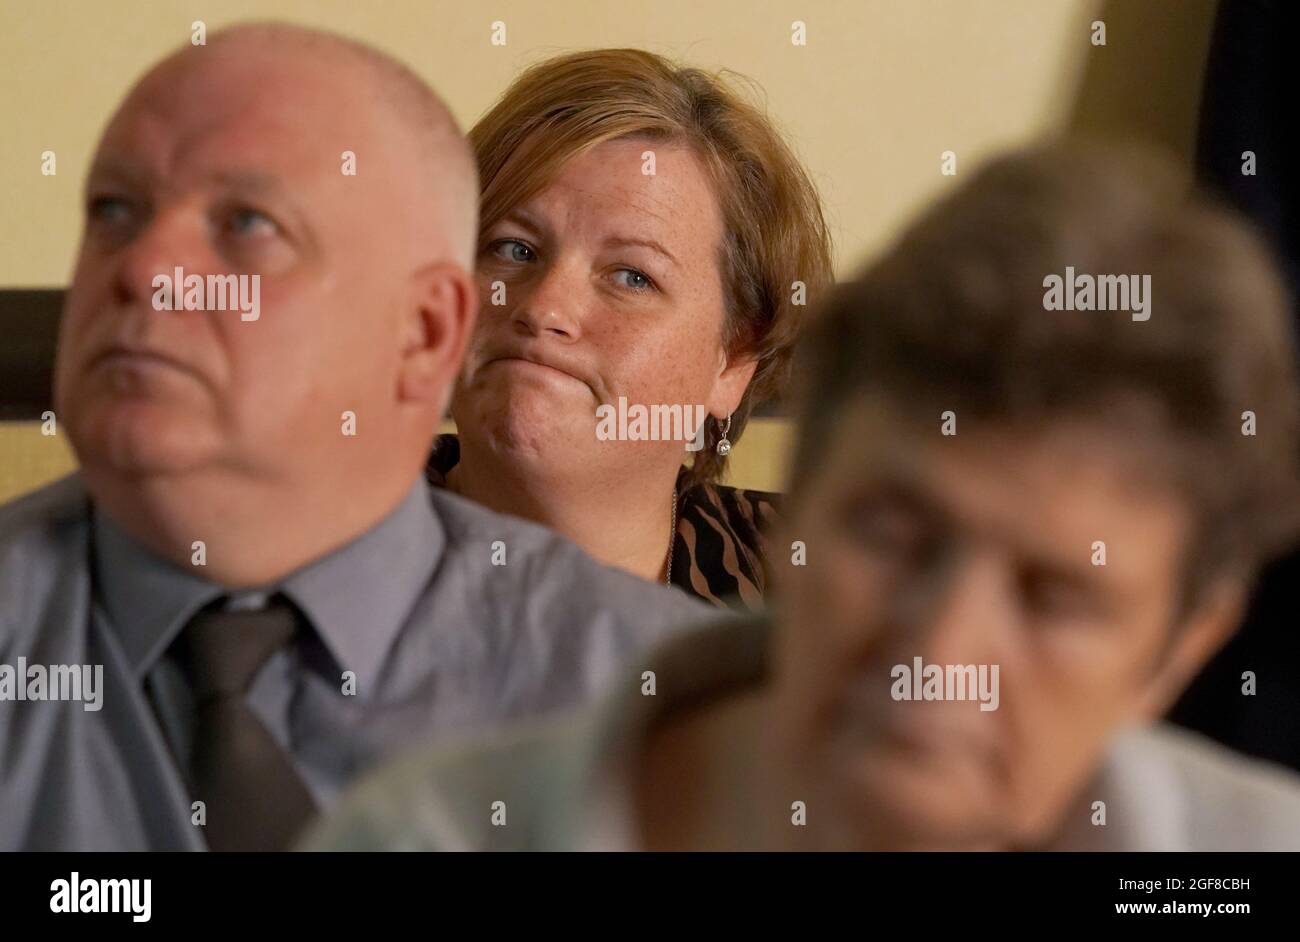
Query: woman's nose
[[550, 306]]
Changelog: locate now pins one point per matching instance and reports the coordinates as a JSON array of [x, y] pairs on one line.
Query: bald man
[[248, 595]]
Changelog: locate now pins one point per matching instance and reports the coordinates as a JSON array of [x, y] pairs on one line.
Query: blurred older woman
[[648, 244]]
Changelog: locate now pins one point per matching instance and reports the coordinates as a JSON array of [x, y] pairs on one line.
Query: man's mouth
[[137, 359]]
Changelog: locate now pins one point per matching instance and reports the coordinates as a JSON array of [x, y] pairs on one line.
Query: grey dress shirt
[[568, 782], [415, 634]]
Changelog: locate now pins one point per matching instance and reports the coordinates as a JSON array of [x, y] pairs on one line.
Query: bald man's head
[[329, 179], [393, 91]]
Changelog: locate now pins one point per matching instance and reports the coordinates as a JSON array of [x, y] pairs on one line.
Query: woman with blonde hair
[[648, 245]]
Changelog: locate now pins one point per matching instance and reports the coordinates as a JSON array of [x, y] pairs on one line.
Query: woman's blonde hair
[[776, 238]]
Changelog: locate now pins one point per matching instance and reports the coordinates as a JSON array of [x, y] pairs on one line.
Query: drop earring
[[724, 446]]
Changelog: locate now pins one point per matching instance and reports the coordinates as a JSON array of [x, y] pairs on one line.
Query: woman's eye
[[512, 250], [637, 281], [251, 222]]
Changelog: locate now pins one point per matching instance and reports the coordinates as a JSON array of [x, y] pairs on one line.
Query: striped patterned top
[[719, 552]]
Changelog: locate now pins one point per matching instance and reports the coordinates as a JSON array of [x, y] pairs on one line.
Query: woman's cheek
[[688, 363]]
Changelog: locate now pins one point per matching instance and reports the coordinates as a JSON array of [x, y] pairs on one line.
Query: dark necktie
[[254, 797]]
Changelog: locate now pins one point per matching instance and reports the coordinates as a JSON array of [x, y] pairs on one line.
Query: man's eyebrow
[[250, 181], [645, 243], [124, 170], [255, 183], [911, 480]]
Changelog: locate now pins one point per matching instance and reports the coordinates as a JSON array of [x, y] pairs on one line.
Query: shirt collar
[[1146, 805], [147, 598], [357, 597]]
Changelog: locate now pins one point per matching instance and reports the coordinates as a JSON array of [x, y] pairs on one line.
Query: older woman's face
[[974, 556], [604, 285]]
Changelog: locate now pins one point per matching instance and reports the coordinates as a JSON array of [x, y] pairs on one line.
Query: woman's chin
[[532, 436]]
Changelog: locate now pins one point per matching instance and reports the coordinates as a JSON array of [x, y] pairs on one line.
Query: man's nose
[[956, 613], [169, 240], [550, 305]]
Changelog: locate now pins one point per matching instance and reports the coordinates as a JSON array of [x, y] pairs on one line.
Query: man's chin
[[142, 440], [915, 806]]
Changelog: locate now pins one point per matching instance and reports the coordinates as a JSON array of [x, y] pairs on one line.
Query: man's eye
[[1056, 597], [636, 280], [252, 222], [109, 209], [512, 250], [888, 529]]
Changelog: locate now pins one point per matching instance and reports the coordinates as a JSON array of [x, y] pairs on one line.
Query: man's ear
[[1196, 639], [439, 320], [734, 373]]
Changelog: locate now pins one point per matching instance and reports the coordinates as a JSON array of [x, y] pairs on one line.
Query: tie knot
[[224, 650]]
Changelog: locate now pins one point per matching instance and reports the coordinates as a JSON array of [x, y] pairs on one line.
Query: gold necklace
[[672, 538]]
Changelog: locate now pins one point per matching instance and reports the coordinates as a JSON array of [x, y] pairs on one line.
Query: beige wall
[[29, 458], [882, 88], [880, 91]]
